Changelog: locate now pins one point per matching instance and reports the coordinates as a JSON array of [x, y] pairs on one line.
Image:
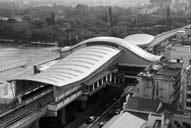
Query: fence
[[18, 64]]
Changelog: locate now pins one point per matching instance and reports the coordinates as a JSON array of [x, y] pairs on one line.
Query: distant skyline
[[121, 3], [84, 1]]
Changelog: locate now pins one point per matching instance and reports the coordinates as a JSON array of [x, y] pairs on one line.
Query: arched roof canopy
[[77, 66], [117, 42], [139, 39]]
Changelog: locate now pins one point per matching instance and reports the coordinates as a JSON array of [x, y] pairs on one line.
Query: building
[[181, 49], [148, 110], [160, 82], [158, 96], [125, 120], [187, 89], [181, 119], [80, 72], [181, 52], [180, 5], [19, 3], [160, 3], [175, 5], [7, 93]]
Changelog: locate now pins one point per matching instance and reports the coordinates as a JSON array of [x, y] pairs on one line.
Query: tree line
[[70, 25]]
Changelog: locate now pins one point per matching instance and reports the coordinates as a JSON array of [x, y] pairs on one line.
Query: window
[[157, 89], [189, 96], [188, 104]]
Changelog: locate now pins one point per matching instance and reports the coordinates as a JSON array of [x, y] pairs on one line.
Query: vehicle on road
[[113, 112], [102, 123], [91, 119]]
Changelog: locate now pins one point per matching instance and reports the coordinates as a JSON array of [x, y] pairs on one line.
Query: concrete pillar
[[62, 116], [93, 86], [115, 80], [35, 124], [84, 105], [83, 102], [100, 92], [110, 78]]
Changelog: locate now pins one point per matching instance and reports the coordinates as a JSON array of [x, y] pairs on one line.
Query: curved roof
[[139, 39], [122, 43], [76, 66]]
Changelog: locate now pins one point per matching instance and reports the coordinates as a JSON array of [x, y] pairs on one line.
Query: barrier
[[159, 38], [18, 64]]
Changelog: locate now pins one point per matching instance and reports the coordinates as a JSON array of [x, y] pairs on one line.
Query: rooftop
[[141, 104], [76, 66], [125, 120], [139, 39], [169, 71]]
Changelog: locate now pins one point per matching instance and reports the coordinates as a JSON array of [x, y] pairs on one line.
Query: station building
[[81, 71]]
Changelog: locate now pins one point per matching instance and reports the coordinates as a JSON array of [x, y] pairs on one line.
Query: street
[[103, 110]]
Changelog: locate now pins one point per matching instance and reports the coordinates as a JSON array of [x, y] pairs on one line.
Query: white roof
[[125, 44], [139, 39], [125, 120], [76, 66]]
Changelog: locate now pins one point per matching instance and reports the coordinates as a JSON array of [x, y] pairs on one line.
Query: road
[[114, 109], [103, 110], [95, 109]]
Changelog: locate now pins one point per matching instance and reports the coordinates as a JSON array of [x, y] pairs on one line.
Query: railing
[[18, 64], [157, 40], [157, 124]]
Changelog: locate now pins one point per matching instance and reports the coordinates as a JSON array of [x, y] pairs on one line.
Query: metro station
[[82, 70]]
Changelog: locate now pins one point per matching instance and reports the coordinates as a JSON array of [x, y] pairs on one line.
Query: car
[[113, 112], [118, 111], [102, 123], [91, 119]]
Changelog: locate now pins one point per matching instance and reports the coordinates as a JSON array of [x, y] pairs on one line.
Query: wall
[[6, 93], [157, 87], [129, 58], [145, 87], [179, 52]]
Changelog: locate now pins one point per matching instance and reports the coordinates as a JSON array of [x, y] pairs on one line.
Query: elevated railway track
[[162, 37]]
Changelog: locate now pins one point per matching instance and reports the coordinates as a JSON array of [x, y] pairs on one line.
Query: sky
[[123, 3], [131, 1]]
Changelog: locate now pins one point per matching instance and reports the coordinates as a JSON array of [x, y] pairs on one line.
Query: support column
[[115, 80], [84, 105], [62, 116], [84, 100], [100, 92], [35, 124]]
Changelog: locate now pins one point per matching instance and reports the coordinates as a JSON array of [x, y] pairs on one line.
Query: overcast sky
[[131, 1]]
